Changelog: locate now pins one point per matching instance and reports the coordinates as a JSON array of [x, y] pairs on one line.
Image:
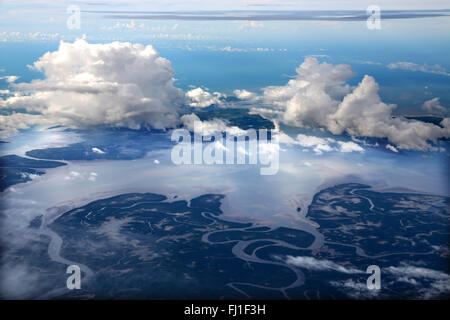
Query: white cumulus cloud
[[10, 124], [314, 264], [434, 106], [410, 66], [319, 97], [349, 147], [115, 84], [210, 127], [98, 150], [431, 283], [9, 79], [202, 98], [392, 148], [320, 145], [245, 95]]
